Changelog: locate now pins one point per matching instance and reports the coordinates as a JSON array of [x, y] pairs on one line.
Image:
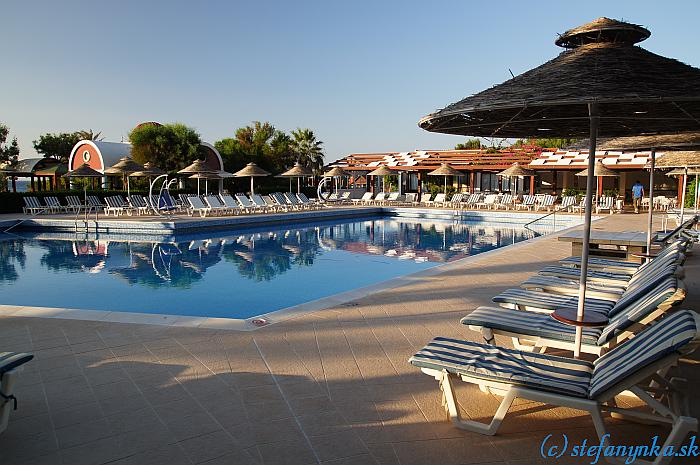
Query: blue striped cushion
[[10, 360], [555, 270], [492, 363], [601, 262], [621, 319], [527, 324], [549, 301], [666, 337]]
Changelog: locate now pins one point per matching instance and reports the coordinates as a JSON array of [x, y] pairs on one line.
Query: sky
[[360, 74]]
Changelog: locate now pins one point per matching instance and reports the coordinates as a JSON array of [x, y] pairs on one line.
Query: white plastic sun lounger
[[547, 203], [640, 366], [528, 202], [138, 202], [197, 206], [32, 205], [229, 202], [74, 203], [425, 199], [215, 204], [10, 369], [366, 197], [488, 202], [54, 204], [530, 330]]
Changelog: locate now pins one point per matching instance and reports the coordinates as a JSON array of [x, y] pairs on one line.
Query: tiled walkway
[[332, 387]]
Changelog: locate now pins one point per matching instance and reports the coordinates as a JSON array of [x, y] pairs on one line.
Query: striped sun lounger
[[578, 384]]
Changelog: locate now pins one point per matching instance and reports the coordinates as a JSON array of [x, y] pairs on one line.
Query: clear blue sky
[[360, 74]]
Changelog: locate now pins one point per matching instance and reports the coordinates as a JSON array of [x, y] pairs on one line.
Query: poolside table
[[626, 245]]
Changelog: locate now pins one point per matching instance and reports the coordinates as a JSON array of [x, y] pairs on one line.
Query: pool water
[[238, 274]]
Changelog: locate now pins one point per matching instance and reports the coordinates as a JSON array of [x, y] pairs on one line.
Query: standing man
[[637, 194]]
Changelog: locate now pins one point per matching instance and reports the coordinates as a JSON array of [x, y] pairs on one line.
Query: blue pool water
[[238, 274]]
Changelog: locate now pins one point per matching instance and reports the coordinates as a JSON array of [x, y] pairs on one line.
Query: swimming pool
[[238, 274]]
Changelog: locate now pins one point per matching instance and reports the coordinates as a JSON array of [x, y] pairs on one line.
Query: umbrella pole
[[206, 187], [650, 215], [445, 185], [595, 121], [252, 191], [197, 187], [290, 184], [696, 193], [298, 186], [685, 186]]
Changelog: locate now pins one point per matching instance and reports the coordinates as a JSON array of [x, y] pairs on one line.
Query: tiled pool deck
[[328, 387]]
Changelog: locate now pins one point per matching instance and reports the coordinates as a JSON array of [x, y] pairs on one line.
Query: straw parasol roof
[[682, 171], [382, 171], [679, 159], [638, 92], [335, 172], [251, 169], [516, 170], [206, 176], [599, 170], [125, 165], [149, 169], [199, 166], [659, 141], [297, 171], [83, 171], [445, 170]]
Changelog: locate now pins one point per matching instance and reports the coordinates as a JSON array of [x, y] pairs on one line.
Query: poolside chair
[[527, 203], [259, 202], [545, 202], [345, 197], [11, 365], [392, 198], [412, 198], [246, 203], [229, 202], [366, 197], [293, 201], [539, 331], [281, 202], [488, 202], [198, 206], [53, 204], [380, 198], [32, 205], [640, 365], [505, 202], [74, 204], [272, 205], [439, 200], [425, 199], [304, 200], [567, 202], [139, 204], [95, 202], [215, 204], [473, 200], [113, 207], [606, 203]]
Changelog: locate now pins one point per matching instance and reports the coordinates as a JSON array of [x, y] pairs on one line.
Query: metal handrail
[[553, 212]]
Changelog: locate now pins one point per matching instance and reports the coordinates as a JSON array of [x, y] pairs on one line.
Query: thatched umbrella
[[149, 170], [297, 171], [251, 170], [335, 173], [383, 171], [445, 170], [599, 171], [515, 170], [125, 166], [601, 78]]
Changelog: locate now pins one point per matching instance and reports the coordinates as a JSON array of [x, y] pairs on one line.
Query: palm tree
[[89, 135], [307, 149]]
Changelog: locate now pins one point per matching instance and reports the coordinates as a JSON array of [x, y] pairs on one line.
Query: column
[[532, 185]]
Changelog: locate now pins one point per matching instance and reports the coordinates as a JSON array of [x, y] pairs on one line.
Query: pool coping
[[265, 319]]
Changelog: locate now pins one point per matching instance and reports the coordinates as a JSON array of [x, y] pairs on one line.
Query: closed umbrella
[[445, 170], [515, 170], [297, 171], [383, 171], [251, 170], [601, 85], [125, 166]]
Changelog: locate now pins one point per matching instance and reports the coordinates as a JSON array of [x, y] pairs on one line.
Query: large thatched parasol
[[515, 170], [602, 84], [251, 170], [149, 170], [125, 166], [297, 171], [599, 171], [445, 170], [383, 171]]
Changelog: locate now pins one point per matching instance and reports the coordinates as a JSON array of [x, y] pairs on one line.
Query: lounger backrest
[[345, 195], [244, 200], [675, 334], [291, 198], [667, 293], [196, 203], [507, 199], [529, 199], [425, 198], [380, 196], [229, 201], [367, 196], [439, 198], [257, 200], [279, 198], [94, 201], [491, 198], [73, 201], [212, 202], [411, 197], [269, 201], [304, 199], [393, 196]]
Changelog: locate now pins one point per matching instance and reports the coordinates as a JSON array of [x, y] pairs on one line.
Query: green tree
[[307, 148], [169, 146], [549, 143], [58, 145], [89, 134], [469, 144], [9, 153], [259, 143]]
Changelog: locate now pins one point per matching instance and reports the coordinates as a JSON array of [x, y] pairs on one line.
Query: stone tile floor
[[331, 387]]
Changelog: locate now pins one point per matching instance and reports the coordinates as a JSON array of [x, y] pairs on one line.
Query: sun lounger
[[425, 199], [380, 198], [662, 238], [33, 206], [527, 203], [412, 198], [117, 206], [530, 330], [366, 198], [215, 205], [577, 384], [567, 202], [139, 204], [294, 201], [308, 203], [606, 203], [281, 202], [473, 200], [54, 205], [74, 204], [229, 202], [488, 202], [198, 206], [439, 200], [95, 202], [246, 203], [11, 365], [546, 202]]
